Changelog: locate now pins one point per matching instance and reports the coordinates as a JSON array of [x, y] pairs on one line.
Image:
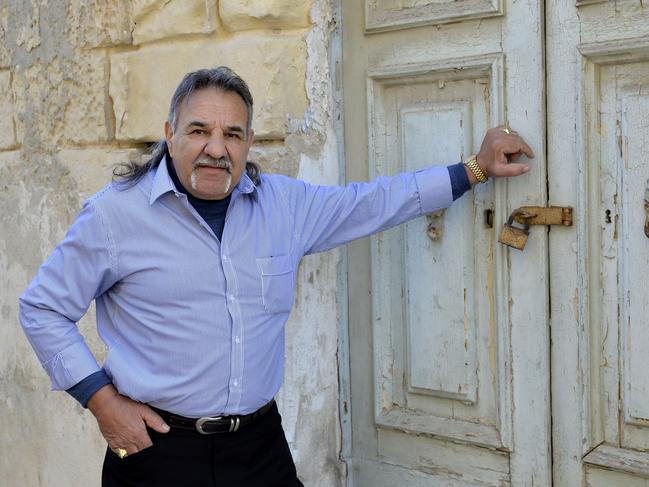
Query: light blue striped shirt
[[193, 325]]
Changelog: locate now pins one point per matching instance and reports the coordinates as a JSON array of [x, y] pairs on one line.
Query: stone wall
[[85, 84]]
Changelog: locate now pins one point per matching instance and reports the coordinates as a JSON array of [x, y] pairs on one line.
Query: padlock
[[513, 236]]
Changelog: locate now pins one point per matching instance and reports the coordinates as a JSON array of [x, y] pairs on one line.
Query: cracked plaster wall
[[84, 85]]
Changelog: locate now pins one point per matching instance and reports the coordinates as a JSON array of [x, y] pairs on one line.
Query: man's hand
[[500, 147], [123, 421]]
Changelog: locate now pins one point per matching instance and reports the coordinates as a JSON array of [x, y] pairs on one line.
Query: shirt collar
[[245, 186], [162, 183]]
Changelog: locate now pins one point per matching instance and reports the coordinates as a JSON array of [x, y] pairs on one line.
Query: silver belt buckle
[[234, 424], [201, 421]]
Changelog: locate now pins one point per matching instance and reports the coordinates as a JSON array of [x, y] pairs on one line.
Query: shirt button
[[236, 340], [225, 258], [236, 383], [231, 297]]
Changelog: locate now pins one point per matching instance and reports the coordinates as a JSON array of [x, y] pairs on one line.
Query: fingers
[[514, 145], [132, 438], [140, 439], [506, 129], [524, 148], [511, 170], [125, 452], [123, 423], [154, 421], [500, 151], [515, 142], [133, 445], [132, 442], [508, 170], [512, 149], [135, 434], [129, 449], [504, 164]]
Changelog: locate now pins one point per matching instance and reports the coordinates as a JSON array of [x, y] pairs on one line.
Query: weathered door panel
[[598, 153], [428, 370], [449, 366]]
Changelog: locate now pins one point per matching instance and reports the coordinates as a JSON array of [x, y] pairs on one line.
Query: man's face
[[210, 145]]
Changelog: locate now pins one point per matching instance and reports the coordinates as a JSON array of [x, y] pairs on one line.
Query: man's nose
[[215, 146]]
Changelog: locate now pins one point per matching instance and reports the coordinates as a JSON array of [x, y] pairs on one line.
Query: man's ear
[[169, 133]]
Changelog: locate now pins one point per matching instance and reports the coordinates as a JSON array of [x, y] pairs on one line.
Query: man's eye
[[233, 135], [198, 131]]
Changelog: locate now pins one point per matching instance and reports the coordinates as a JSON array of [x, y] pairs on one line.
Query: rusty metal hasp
[[539, 215], [532, 215]]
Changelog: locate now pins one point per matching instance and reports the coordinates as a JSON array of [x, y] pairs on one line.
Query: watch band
[[479, 174]]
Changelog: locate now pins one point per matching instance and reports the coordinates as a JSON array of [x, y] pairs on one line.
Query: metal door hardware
[[533, 215], [513, 236], [539, 215]]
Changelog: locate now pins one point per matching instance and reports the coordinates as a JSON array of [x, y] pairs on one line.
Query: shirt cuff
[[70, 365], [434, 187], [85, 389], [460, 183]]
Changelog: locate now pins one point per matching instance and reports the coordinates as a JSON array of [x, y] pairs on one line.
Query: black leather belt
[[213, 425]]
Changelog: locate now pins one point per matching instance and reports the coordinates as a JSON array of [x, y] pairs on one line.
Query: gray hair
[[221, 78]]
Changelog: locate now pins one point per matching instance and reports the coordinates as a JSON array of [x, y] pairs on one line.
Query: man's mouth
[[214, 164]]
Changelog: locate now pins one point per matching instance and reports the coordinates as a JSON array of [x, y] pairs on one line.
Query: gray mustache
[[221, 163]]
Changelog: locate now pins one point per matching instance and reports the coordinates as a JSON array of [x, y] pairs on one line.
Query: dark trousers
[[254, 456]]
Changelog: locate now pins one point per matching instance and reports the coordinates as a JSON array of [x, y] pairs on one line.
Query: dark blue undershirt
[[213, 212]]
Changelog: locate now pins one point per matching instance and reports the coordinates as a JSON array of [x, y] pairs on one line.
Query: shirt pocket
[[276, 283]]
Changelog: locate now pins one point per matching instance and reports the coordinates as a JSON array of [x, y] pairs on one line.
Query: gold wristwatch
[[479, 174]]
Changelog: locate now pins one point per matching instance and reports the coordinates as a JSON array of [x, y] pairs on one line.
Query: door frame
[[342, 295]]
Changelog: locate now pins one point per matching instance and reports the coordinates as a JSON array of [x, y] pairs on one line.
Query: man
[[191, 259]]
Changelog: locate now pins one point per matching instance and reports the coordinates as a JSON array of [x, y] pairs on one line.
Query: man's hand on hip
[[123, 421]]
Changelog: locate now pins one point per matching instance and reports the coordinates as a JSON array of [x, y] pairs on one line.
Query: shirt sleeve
[[85, 389], [80, 268], [328, 216], [459, 180]]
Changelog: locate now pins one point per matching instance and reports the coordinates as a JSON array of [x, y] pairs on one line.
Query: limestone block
[[92, 169], [264, 14], [7, 130], [140, 8], [98, 23], [19, 94], [5, 54], [62, 100], [85, 107], [275, 158], [274, 65], [159, 19], [28, 33]]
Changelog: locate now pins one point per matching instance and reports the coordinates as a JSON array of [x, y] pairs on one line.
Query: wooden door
[[598, 162], [448, 330]]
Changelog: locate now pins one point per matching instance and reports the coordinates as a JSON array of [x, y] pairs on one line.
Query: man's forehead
[[193, 122], [207, 99]]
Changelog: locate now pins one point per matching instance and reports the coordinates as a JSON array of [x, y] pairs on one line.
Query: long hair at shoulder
[[129, 173]]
